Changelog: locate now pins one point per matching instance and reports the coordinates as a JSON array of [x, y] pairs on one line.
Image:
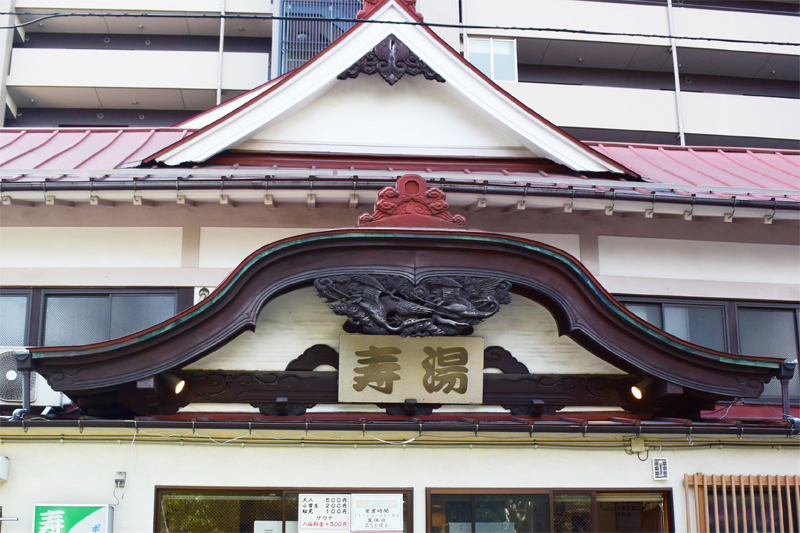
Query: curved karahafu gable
[[582, 308]]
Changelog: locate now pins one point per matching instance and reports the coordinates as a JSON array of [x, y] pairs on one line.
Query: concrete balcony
[[615, 108], [634, 19], [129, 79], [149, 26]]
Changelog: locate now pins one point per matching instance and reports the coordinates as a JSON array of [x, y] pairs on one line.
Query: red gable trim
[[441, 41]]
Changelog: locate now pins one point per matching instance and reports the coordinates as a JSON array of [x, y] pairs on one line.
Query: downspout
[[22, 359], [674, 51], [461, 18], [221, 48]]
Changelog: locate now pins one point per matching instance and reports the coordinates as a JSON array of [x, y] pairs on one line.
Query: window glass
[[84, 319], [132, 313], [703, 326], [505, 63], [480, 55], [73, 320], [572, 513], [492, 513], [189, 511], [13, 318], [648, 312], [771, 333], [203, 512]]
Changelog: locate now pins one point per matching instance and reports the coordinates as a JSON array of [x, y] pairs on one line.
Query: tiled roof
[[77, 148], [723, 172], [709, 168]]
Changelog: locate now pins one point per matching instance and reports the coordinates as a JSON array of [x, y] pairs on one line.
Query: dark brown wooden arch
[[582, 308]]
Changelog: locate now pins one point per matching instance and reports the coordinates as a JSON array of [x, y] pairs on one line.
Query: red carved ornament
[[371, 5], [412, 205]]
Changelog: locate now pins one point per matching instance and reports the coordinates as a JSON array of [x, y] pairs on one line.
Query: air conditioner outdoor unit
[[11, 385]]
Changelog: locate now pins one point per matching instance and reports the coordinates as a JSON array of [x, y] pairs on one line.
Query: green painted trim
[[563, 257]]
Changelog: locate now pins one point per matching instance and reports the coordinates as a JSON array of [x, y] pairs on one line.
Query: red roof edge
[[404, 5]]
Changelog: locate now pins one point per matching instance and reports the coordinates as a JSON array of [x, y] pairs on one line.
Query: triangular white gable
[[366, 115], [473, 117]]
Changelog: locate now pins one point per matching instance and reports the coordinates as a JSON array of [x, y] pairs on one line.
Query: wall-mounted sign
[[660, 469], [323, 512], [377, 512], [68, 518], [391, 369]]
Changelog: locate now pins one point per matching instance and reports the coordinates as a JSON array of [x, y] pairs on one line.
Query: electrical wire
[[48, 16]]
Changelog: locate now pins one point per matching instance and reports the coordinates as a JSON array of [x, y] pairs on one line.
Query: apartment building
[[737, 67]]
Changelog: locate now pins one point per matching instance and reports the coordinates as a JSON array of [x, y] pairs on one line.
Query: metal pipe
[[663, 196], [221, 48], [674, 51], [26, 397], [656, 427]]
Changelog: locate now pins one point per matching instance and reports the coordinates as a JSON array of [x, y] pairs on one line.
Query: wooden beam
[[311, 201], [138, 200], [353, 203], [94, 200], [52, 200], [7, 200], [477, 206], [225, 200], [269, 201], [517, 207], [183, 201]]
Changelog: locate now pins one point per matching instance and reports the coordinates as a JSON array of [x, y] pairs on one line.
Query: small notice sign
[[323, 512], [386, 368], [660, 469], [377, 512]]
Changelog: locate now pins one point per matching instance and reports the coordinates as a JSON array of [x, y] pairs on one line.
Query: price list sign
[[377, 512], [323, 512]]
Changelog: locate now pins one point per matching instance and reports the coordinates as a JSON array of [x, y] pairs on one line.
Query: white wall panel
[[84, 472], [699, 260], [598, 107], [227, 247], [296, 321], [286, 327], [569, 243], [328, 124], [47, 67], [587, 106], [624, 18], [62, 247]]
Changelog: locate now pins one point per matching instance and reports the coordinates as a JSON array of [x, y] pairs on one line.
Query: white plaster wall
[[367, 115], [84, 472], [699, 260], [296, 321], [65, 247], [569, 243], [286, 327], [227, 247]]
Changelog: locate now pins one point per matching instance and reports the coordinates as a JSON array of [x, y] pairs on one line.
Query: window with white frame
[[497, 58]]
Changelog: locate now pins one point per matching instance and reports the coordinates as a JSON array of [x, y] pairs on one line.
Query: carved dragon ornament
[[393, 305]]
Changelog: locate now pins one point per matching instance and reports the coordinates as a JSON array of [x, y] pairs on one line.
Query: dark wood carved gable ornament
[[392, 305], [392, 59], [130, 371]]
